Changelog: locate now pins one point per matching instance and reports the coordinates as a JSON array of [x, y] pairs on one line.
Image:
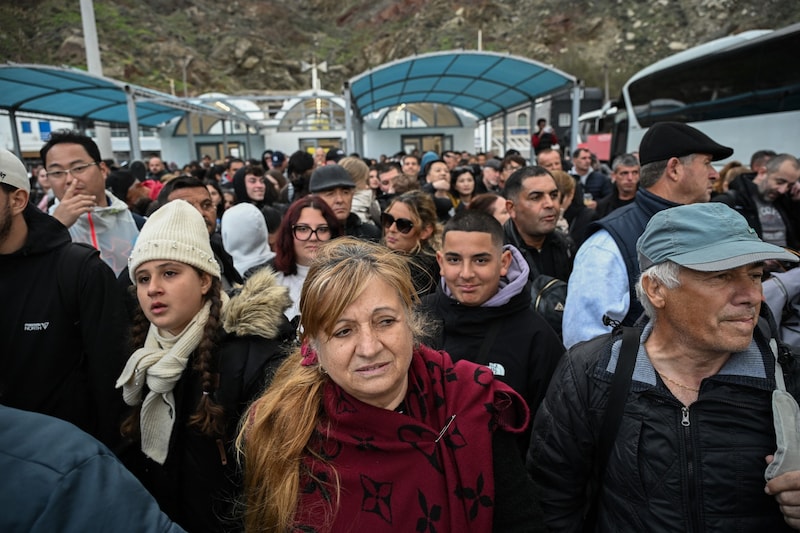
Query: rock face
[[258, 45]]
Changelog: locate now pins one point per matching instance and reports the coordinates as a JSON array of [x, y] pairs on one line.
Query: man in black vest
[[676, 169]]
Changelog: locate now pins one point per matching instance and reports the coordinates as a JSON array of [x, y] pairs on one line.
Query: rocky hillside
[[255, 46]]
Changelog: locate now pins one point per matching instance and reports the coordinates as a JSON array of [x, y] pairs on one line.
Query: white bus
[[743, 91], [594, 131]]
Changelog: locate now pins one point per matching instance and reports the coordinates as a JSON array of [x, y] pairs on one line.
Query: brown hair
[[423, 209], [209, 417]]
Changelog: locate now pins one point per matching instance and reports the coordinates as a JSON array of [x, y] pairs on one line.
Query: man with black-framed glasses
[[91, 213]]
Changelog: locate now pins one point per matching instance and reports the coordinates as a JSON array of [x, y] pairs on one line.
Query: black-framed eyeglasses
[[77, 170], [403, 224], [302, 232]]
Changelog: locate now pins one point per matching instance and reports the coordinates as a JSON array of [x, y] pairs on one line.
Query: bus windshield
[[739, 90]]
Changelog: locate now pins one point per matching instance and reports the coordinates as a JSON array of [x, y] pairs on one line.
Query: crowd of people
[[424, 342]]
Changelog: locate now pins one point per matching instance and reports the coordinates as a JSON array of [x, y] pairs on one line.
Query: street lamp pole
[[185, 66]]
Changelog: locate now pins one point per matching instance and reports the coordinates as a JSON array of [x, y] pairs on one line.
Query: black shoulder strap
[[618, 393], [620, 386]]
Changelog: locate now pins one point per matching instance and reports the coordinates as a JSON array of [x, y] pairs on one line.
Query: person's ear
[[440, 261], [19, 200], [655, 291], [505, 262], [426, 232], [672, 168], [510, 209], [205, 283]]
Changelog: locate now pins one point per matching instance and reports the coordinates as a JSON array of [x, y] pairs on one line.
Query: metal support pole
[[576, 111], [133, 125], [12, 117], [187, 117], [224, 141], [348, 119], [505, 133]]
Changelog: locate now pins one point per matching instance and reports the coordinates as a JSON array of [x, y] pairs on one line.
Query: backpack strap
[[617, 396]]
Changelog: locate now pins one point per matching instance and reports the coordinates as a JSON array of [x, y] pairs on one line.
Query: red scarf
[[427, 469]]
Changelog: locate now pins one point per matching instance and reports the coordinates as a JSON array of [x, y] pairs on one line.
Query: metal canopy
[[77, 94], [482, 83]]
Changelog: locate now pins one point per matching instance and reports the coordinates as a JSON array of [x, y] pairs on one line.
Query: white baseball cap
[[13, 172]]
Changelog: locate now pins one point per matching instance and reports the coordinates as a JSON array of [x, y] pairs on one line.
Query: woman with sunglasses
[[410, 226], [307, 223]]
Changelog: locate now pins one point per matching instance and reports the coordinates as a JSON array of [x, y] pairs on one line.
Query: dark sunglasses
[[403, 224]]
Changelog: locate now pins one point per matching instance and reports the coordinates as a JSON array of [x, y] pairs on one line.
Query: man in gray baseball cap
[[697, 419]]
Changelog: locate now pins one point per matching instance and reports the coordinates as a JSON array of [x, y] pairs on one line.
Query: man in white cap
[[62, 322], [668, 427]]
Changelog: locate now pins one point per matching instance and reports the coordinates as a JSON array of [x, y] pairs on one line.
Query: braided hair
[[209, 417]]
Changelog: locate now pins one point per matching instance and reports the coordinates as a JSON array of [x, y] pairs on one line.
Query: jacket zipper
[[694, 518]]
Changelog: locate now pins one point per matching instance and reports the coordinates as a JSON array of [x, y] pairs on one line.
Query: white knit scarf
[[160, 364]]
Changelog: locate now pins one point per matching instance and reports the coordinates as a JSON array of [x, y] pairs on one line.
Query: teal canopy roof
[[77, 94], [482, 83]]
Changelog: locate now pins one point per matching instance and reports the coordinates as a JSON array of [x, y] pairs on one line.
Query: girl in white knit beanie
[[198, 361]]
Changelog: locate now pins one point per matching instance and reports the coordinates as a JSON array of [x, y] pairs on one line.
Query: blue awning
[[482, 83], [77, 94]]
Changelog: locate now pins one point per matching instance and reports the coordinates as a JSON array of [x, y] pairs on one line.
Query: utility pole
[[102, 130], [185, 66]]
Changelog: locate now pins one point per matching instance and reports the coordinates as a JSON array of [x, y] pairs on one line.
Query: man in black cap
[[333, 156], [490, 177], [676, 169], [334, 184]]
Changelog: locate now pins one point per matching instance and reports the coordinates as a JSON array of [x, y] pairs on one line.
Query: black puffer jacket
[[696, 469]]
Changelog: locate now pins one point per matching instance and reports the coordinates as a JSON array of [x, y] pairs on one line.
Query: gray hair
[[625, 160], [666, 274], [774, 164], [650, 173]]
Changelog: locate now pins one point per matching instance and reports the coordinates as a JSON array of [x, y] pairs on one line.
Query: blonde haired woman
[[363, 429], [410, 227]]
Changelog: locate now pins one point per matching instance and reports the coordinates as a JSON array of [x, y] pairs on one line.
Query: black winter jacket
[[199, 482], [671, 468], [526, 350], [62, 325], [554, 259]]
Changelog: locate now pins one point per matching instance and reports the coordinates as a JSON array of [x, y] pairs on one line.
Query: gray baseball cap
[[707, 237]]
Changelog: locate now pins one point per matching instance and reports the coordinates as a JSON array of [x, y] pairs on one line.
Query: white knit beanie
[[177, 232]]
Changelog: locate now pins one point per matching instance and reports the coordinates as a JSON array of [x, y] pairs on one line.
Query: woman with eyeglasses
[[307, 223], [410, 226]]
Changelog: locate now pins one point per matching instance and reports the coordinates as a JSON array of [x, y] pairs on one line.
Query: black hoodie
[[62, 328]]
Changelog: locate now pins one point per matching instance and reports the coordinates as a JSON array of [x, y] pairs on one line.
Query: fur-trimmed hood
[[257, 307]]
